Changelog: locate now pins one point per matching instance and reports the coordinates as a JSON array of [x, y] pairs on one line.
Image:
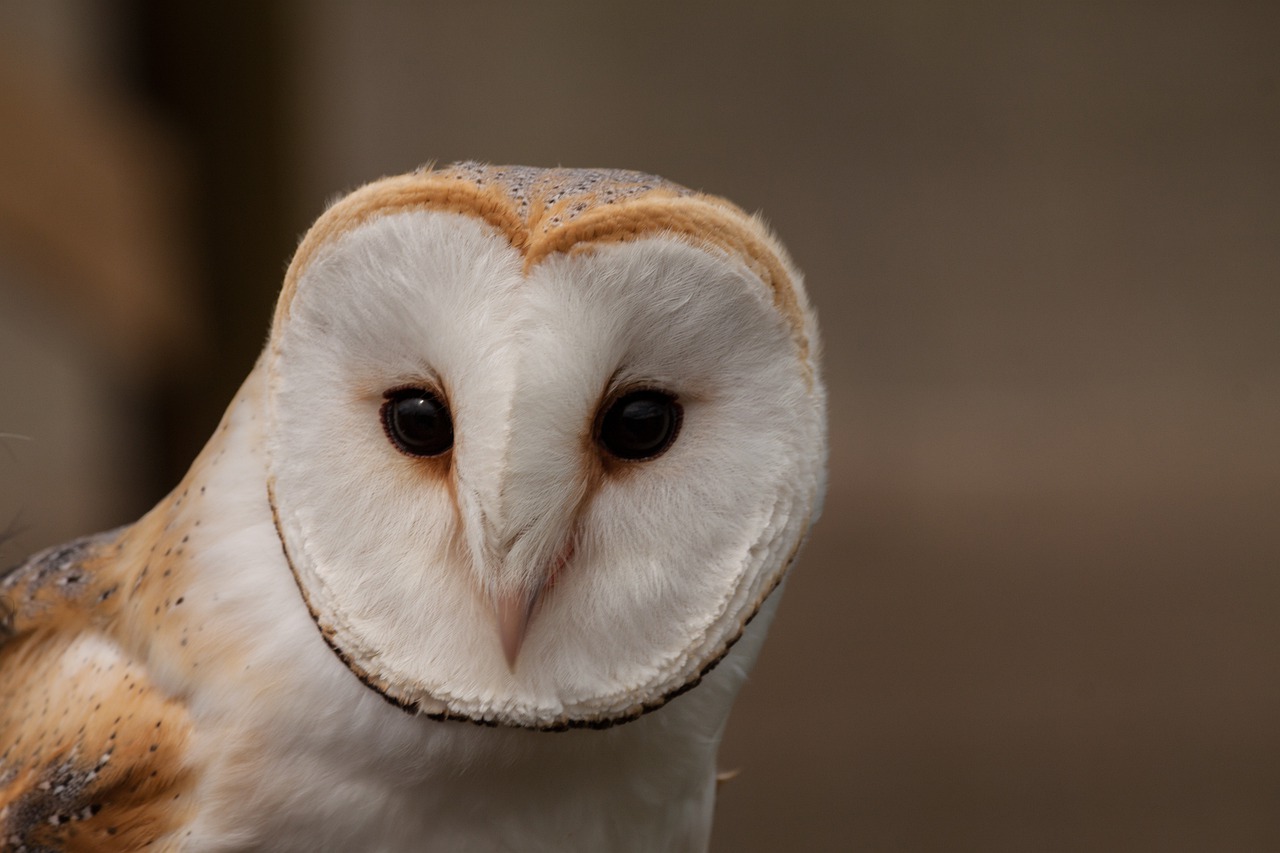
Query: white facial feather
[[667, 558]]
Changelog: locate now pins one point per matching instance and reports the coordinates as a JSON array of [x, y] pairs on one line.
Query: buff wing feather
[[91, 750]]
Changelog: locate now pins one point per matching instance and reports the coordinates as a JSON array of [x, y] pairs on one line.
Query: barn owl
[[477, 558]]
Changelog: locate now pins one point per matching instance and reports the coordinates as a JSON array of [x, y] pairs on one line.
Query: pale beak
[[513, 613]]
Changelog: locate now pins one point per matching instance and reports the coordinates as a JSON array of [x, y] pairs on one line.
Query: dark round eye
[[640, 425], [417, 422]]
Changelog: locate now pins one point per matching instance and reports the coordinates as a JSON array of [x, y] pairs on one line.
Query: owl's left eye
[[417, 422], [639, 425]]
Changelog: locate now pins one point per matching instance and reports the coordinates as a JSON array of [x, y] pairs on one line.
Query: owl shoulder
[[58, 584], [91, 751]]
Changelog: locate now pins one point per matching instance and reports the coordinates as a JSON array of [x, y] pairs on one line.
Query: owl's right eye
[[417, 422]]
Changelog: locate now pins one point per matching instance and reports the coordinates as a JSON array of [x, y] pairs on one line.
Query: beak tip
[[511, 643], [513, 615]]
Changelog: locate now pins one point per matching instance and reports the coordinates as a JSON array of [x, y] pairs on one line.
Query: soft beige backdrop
[[1042, 609]]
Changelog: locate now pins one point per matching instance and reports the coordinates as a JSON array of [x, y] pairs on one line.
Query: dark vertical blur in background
[[1042, 610]]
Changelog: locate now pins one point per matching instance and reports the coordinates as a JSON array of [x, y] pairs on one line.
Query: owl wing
[[90, 749]]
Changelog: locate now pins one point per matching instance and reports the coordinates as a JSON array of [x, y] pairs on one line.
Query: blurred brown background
[[1040, 612]]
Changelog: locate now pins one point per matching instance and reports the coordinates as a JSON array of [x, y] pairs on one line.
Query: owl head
[[542, 442]]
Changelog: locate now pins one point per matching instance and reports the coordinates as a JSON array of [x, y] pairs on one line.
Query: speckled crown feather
[[551, 211]]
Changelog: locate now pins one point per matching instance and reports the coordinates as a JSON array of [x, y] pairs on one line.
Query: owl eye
[[417, 421], [640, 425]]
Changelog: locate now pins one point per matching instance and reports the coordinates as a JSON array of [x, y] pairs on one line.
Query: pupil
[[418, 422], [640, 425]]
